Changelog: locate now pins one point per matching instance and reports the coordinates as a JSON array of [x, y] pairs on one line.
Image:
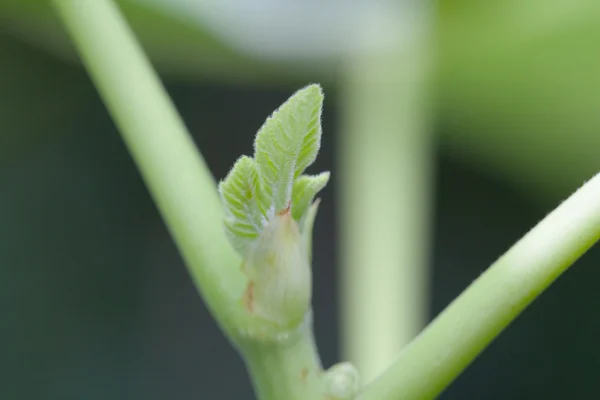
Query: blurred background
[[450, 128]]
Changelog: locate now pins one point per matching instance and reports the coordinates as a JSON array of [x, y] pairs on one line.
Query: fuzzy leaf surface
[[257, 189], [286, 144]]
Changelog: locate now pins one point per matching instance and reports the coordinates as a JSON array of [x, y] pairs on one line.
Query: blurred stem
[[386, 166], [449, 344]]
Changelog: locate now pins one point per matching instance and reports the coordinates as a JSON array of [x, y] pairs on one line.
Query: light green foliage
[[259, 188], [245, 220], [304, 191], [286, 144]]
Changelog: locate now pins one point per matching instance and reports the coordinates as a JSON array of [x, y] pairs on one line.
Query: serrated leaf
[[305, 189], [286, 144], [244, 220]]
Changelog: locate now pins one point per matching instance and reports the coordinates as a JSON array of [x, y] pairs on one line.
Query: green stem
[[164, 152], [455, 338], [286, 371]]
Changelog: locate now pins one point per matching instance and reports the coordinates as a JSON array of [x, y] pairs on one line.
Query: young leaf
[[259, 189], [286, 144], [243, 219], [305, 189]]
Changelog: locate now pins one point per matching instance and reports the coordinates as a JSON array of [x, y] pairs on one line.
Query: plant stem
[[386, 175], [291, 372], [173, 170], [455, 338]]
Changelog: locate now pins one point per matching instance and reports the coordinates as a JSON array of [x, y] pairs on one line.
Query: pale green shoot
[[257, 189]]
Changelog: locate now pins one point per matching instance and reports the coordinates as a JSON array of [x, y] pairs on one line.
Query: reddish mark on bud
[[304, 373], [248, 298], [286, 210]]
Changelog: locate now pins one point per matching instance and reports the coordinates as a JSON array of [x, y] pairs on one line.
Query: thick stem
[[455, 338]]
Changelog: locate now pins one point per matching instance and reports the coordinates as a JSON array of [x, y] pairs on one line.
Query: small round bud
[[341, 381]]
